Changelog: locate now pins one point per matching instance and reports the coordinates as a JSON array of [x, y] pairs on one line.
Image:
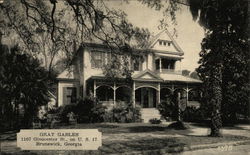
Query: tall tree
[[225, 22], [23, 82]]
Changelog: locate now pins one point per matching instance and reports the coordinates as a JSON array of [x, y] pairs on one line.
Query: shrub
[[83, 110], [168, 109], [123, 113], [88, 110], [54, 110], [98, 113], [179, 125], [65, 110], [155, 121], [193, 114]]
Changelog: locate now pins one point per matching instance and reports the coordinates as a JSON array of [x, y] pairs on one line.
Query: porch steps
[[149, 113]]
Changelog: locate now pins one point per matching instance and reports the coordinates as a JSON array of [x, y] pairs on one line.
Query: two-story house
[[152, 80]]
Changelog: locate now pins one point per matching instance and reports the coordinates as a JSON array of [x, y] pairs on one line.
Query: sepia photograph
[[133, 77]]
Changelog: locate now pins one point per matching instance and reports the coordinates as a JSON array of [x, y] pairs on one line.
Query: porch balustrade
[[168, 71]]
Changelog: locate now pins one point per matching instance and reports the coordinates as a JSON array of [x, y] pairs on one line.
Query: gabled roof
[[163, 34], [67, 75], [147, 75]]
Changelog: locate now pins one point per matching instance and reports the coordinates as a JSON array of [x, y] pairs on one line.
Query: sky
[[189, 32]]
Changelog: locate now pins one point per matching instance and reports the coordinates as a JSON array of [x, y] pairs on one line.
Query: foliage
[[98, 113], [179, 125], [83, 109], [168, 109], [185, 72], [65, 110], [123, 113], [23, 84], [88, 110], [193, 114], [194, 75], [155, 121], [55, 28]]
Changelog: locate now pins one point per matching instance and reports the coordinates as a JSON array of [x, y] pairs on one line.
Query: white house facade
[[153, 79]]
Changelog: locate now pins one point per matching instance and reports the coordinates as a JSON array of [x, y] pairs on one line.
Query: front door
[[148, 98]]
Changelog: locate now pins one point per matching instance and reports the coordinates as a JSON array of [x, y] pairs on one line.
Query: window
[[137, 64], [168, 44], [97, 59], [160, 42], [165, 43]]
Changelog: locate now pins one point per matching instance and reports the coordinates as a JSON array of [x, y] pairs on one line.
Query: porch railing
[[169, 71]]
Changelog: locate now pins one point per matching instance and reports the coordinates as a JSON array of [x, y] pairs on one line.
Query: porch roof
[[178, 78], [151, 76]]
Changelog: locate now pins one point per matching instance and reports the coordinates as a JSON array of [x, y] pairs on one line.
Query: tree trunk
[[216, 98]]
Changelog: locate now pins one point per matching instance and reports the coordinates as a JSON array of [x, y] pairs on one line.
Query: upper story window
[[160, 42], [97, 59], [136, 64], [164, 43]]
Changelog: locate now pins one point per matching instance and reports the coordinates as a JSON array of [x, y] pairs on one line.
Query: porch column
[[114, 93], [172, 89], [133, 95], [178, 101], [94, 88], [159, 94], [160, 65], [187, 90]]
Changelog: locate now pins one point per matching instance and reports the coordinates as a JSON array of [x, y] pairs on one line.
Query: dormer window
[[160, 42], [164, 43]]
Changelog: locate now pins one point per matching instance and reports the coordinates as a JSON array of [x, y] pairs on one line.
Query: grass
[[123, 138]]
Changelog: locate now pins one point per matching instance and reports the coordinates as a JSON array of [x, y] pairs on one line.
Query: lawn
[[124, 138]]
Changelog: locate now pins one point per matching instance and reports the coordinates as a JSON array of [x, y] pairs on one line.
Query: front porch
[[146, 94]]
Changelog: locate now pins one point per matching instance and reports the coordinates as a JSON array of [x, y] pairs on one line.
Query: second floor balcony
[[163, 65]]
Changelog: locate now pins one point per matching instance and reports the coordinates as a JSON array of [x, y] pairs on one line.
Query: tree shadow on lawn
[[10, 135], [132, 128], [225, 126], [146, 128], [165, 129], [167, 145]]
